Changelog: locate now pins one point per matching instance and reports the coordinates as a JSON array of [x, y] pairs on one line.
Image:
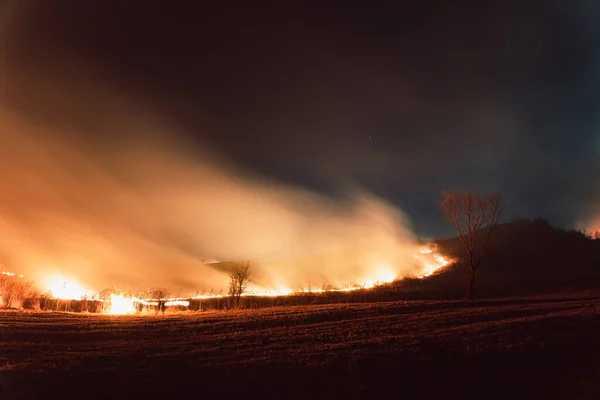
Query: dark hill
[[526, 256]]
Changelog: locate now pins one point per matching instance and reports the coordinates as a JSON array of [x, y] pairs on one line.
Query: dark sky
[[405, 100]]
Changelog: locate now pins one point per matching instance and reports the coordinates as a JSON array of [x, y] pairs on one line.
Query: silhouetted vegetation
[[239, 278], [17, 293], [474, 216], [158, 293], [527, 256]]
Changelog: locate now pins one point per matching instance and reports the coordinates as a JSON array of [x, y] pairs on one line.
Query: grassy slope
[[545, 347]]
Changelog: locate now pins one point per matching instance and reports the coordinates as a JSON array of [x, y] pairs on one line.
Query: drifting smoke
[[147, 216], [98, 189]]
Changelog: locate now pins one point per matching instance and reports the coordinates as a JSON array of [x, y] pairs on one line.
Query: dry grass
[[539, 347]]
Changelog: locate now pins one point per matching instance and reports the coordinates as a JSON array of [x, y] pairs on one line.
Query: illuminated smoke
[[146, 218], [99, 190]]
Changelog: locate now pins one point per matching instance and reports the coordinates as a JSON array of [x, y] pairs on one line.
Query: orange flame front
[[119, 304]]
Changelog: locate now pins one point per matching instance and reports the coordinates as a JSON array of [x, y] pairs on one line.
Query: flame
[[8, 273], [268, 293], [64, 289], [429, 268], [121, 305], [208, 296], [429, 261], [383, 273], [183, 303]]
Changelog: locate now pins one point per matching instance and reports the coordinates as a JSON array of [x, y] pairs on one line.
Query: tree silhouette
[[239, 278], [474, 216]]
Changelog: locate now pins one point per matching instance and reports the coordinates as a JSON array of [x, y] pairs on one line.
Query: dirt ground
[[539, 347]]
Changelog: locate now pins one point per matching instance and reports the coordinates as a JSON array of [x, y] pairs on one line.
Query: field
[[538, 347]]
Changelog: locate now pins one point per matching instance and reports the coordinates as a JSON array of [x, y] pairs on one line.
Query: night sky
[[404, 100]]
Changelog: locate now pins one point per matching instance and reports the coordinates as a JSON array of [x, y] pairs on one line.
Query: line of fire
[[17, 292]]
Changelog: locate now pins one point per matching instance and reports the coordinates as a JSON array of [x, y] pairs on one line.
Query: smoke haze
[[151, 214], [96, 187]]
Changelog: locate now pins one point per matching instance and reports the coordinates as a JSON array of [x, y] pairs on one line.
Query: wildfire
[[120, 305], [432, 262], [431, 266], [6, 273], [64, 289], [429, 262], [177, 302]]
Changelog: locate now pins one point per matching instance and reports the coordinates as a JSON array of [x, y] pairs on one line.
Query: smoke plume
[[150, 215], [98, 186]]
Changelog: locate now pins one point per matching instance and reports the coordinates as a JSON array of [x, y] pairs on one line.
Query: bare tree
[[239, 278], [160, 293], [475, 217]]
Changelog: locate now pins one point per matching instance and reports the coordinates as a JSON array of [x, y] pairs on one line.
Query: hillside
[[527, 256]]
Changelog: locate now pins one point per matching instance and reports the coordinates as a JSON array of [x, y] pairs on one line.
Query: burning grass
[[69, 295], [543, 347]]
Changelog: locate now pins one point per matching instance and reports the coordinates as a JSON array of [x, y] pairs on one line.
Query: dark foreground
[[545, 347]]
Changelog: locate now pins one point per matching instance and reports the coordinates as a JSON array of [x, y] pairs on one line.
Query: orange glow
[[183, 303], [121, 305], [426, 250], [429, 268], [141, 216], [64, 289], [269, 293], [428, 261], [384, 273]]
